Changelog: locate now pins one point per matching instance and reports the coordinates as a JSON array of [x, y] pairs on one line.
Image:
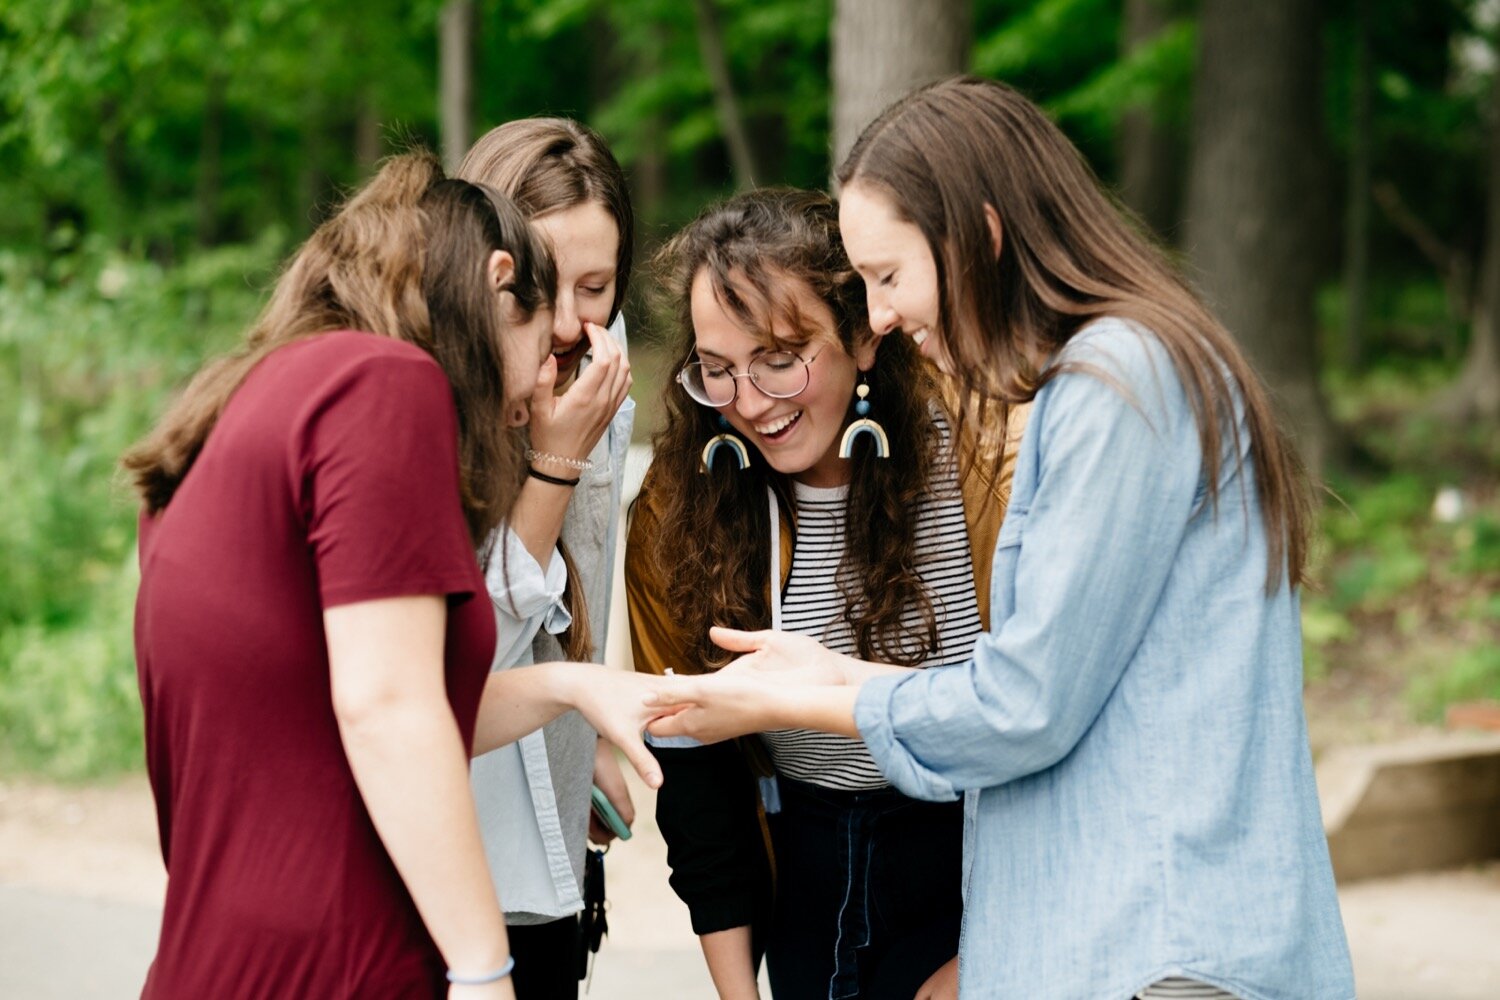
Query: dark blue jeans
[[867, 893]]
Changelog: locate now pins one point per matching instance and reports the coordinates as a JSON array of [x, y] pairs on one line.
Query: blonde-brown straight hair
[[405, 257], [548, 165]]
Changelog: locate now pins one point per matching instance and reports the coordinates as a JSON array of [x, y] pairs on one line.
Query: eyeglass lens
[[780, 374]]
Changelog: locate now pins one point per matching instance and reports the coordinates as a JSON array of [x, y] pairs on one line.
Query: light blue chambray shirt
[[1130, 735]]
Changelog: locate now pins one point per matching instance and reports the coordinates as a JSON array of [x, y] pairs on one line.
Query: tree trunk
[[1357, 211], [456, 34], [210, 159], [1477, 392], [883, 49], [369, 144], [1152, 153], [1252, 195], [726, 104], [648, 174]]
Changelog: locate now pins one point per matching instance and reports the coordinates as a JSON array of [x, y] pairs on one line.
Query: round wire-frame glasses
[[778, 374]]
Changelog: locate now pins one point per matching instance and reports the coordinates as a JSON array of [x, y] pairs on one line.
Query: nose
[[883, 319], [566, 326], [750, 403]]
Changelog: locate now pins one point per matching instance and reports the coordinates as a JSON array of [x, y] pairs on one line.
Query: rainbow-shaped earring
[[724, 440], [864, 425]]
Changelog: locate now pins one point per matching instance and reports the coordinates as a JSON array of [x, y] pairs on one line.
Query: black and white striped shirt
[[813, 604]]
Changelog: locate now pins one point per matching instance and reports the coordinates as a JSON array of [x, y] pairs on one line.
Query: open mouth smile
[[775, 431], [570, 356]]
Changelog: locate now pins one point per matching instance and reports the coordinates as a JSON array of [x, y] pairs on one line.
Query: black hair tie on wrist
[[554, 480]]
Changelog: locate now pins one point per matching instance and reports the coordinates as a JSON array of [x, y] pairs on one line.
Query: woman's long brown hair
[[1070, 254], [713, 528], [547, 165], [405, 257]]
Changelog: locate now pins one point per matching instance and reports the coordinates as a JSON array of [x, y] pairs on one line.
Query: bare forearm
[[856, 672], [828, 709], [409, 764], [730, 963], [537, 516], [521, 700]]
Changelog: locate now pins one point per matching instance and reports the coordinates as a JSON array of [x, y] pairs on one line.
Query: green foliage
[[1471, 675], [91, 344]]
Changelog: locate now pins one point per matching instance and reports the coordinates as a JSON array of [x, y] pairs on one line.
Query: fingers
[[672, 724], [611, 782], [542, 401], [674, 693], [634, 749], [607, 349], [620, 799], [599, 833], [737, 641]]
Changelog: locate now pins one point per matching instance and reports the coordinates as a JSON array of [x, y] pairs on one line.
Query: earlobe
[[502, 269], [992, 219], [864, 354]]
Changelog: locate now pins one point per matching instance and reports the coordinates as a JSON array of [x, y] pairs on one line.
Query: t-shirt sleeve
[[380, 485]]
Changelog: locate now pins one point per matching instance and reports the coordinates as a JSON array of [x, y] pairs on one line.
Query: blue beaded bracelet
[[492, 977]]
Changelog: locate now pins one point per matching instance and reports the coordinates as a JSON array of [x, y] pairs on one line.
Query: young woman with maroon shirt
[[313, 664]]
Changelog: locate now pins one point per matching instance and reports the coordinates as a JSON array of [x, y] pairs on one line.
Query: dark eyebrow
[[720, 359]]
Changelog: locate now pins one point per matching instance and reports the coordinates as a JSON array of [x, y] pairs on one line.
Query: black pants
[[546, 959], [868, 902]]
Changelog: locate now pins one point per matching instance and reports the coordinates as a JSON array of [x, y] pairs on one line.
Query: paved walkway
[[81, 883]]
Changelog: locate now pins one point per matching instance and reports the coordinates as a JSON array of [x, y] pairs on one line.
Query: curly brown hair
[[713, 528]]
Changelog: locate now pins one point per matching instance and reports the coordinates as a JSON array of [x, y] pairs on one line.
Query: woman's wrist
[[494, 975], [558, 459]]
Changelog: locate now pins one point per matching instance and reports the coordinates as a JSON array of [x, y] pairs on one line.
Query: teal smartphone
[[608, 816]]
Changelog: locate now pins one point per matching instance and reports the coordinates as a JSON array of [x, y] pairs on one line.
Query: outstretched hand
[[789, 658], [767, 688], [618, 705]]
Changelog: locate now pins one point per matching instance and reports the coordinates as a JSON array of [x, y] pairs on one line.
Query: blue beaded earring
[[724, 440], [864, 425]]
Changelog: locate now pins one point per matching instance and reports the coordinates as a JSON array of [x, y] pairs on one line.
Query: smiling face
[[896, 263], [585, 244], [798, 437]]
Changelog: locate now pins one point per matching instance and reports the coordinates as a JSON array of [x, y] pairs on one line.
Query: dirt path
[[81, 884]]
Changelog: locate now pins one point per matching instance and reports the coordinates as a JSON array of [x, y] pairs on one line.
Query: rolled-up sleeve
[[527, 598], [1080, 564]]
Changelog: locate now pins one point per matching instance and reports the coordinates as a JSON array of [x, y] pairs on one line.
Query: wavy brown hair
[[405, 257], [713, 528], [1070, 254], [547, 165]]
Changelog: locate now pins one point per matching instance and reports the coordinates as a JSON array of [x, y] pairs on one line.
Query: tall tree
[[1477, 393], [1253, 192], [882, 50], [456, 33], [1152, 152], [1357, 210], [726, 103]]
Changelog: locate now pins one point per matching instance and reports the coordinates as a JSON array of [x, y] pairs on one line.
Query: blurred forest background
[[1327, 170]]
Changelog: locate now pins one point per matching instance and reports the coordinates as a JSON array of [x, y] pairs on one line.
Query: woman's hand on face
[[942, 984], [572, 423]]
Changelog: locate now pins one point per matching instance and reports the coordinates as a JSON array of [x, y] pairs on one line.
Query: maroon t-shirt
[[331, 478]]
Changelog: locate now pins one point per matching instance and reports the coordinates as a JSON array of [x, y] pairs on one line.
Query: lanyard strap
[[775, 560]]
